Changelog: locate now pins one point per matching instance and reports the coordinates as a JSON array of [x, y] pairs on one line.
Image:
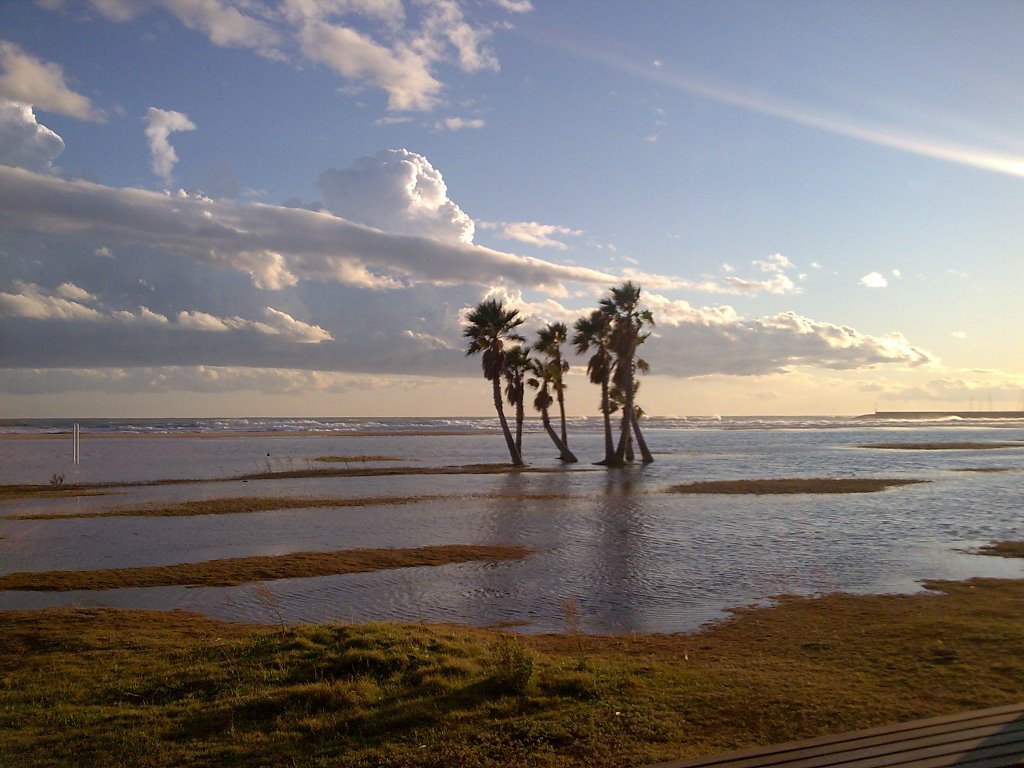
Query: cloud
[[31, 301], [459, 124], [396, 191], [369, 43], [963, 387], [29, 80], [515, 6], [874, 280], [69, 302], [534, 233], [692, 341], [401, 72], [23, 141], [278, 246], [73, 292], [160, 123], [200, 378]]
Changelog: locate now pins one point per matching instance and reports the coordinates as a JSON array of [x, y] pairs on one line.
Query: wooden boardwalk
[[990, 738]]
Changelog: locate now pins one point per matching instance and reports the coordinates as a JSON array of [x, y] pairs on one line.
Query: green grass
[[792, 485], [114, 688], [1003, 549], [243, 570]]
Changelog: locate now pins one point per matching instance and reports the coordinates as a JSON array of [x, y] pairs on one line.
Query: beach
[[630, 553]]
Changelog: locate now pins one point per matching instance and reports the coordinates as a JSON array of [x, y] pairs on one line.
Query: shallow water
[[629, 556]]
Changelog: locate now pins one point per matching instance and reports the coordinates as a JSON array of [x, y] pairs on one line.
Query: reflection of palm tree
[[541, 381], [549, 343], [517, 363], [628, 324], [595, 332], [488, 327]]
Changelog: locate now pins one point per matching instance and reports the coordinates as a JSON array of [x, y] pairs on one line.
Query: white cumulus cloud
[[30, 80], [24, 142], [874, 280], [160, 123], [396, 191]]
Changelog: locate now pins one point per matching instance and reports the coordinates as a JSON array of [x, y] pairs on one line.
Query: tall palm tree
[[628, 324], [543, 374], [549, 343], [595, 332], [489, 326], [517, 363]]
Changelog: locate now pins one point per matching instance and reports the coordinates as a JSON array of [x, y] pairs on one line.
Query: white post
[[76, 450]]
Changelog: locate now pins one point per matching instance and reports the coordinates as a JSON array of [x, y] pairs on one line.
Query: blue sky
[[283, 206]]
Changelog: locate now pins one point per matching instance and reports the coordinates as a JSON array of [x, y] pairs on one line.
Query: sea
[[614, 551]]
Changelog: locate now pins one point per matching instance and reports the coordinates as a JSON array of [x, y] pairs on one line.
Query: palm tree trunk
[[517, 460], [566, 456], [627, 419], [546, 421], [645, 454], [609, 444], [520, 417]]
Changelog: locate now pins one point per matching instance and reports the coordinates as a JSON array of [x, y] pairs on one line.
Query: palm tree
[[595, 332], [628, 323], [517, 363], [488, 327], [543, 373], [549, 342]]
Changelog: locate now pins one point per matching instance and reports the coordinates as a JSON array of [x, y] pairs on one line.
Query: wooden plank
[[961, 733]]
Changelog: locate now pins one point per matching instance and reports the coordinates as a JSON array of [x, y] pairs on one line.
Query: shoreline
[[245, 433]]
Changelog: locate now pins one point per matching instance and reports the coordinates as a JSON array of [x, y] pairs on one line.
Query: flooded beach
[[613, 546]]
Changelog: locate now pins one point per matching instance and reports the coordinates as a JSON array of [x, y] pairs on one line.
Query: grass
[[1002, 549], [117, 688], [792, 485], [242, 570], [24, 491], [355, 459], [230, 506], [961, 446], [250, 504]]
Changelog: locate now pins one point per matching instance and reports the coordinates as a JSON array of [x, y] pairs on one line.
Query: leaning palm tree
[[595, 332], [489, 326], [628, 324], [549, 343], [543, 374], [517, 363]]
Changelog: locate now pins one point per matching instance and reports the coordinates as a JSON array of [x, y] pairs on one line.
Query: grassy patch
[[111, 688], [459, 469], [12, 492], [355, 459], [23, 491], [961, 446], [231, 506], [992, 470], [1002, 549], [242, 570], [793, 485], [250, 504]]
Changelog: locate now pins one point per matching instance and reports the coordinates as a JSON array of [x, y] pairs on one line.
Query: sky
[[285, 207]]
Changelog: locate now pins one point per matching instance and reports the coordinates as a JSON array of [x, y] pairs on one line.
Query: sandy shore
[[242, 433]]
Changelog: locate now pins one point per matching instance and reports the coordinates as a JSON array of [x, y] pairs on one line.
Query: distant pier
[[906, 415]]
